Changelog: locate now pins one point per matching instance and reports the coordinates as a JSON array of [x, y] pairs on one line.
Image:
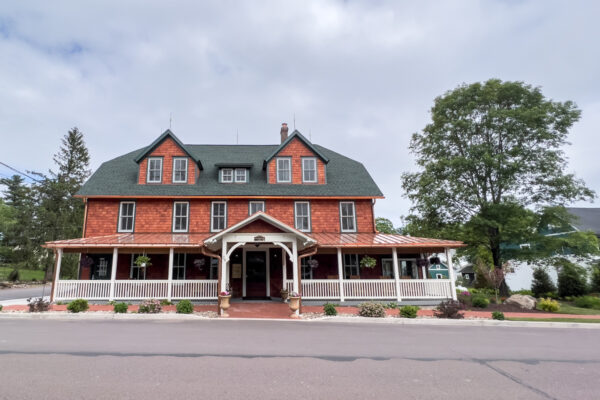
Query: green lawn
[[569, 308], [25, 274], [580, 320]]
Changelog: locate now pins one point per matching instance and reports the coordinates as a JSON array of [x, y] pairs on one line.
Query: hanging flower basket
[[368, 262], [199, 262], [434, 260], [142, 261], [422, 262], [313, 263], [86, 261]]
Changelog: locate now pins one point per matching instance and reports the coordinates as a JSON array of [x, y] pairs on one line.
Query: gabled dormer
[[167, 161], [296, 161]]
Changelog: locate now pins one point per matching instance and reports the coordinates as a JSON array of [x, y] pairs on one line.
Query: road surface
[[230, 359], [24, 293]]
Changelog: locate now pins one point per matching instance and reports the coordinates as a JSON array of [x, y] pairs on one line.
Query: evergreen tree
[[595, 283], [542, 283], [571, 279]]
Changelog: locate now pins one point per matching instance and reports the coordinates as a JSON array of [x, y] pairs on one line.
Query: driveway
[[23, 293], [293, 360]]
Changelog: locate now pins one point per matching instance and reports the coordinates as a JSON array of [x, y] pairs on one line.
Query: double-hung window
[[218, 218], [214, 269], [227, 175], [256, 206], [387, 267], [309, 170], [154, 170], [284, 169], [351, 266], [180, 216], [347, 216], [302, 215], [179, 266], [180, 166], [306, 271], [126, 216], [135, 271], [241, 175]]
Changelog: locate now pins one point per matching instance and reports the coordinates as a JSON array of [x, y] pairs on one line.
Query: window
[[240, 175], [102, 267], [309, 170], [154, 170], [439, 276], [180, 216], [256, 206], [136, 272], [408, 269], [347, 217], [126, 216], [227, 175], [179, 266], [306, 271], [218, 219], [302, 212], [214, 268], [180, 166], [351, 266], [387, 268], [284, 170]]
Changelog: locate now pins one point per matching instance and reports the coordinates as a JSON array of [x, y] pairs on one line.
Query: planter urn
[[284, 295], [294, 306], [224, 305]]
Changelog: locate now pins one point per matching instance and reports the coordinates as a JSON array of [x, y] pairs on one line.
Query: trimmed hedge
[[371, 309], [185, 307], [78, 305]]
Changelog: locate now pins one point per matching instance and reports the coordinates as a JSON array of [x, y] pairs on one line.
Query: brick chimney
[[284, 132]]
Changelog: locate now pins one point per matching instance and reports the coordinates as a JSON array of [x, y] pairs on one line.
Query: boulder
[[524, 301]]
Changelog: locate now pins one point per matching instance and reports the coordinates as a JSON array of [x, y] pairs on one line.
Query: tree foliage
[[384, 225], [572, 279], [542, 284]]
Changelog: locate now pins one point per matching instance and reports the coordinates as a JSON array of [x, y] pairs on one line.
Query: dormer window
[[227, 175], [180, 167], [154, 170], [309, 170], [241, 175], [284, 169], [231, 175]]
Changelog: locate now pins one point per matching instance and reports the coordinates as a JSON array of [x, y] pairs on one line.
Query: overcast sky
[[360, 77]]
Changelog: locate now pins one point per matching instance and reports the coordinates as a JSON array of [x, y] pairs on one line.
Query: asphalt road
[[50, 359], [23, 293]]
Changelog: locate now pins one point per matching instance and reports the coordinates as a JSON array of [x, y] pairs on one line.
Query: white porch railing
[[91, 290], [379, 289], [198, 290]]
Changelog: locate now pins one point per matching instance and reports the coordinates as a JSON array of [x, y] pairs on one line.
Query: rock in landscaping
[[524, 301]]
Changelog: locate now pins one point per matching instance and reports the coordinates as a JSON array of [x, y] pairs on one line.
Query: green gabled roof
[[166, 134], [296, 134], [344, 177]]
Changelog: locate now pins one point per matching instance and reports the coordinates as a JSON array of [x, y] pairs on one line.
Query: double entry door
[[256, 274]]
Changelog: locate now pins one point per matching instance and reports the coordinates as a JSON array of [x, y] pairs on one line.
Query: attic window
[[284, 169], [309, 170], [154, 170], [227, 175], [241, 175], [237, 175], [180, 166]]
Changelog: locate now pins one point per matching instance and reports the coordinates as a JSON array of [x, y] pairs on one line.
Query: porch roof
[[380, 240], [134, 240]]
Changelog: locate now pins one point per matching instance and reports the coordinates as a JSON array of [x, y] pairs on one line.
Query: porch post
[[296, 284], [224, 263], [451, 273], [340, 272], [424, 268], [113, 274], [284, 266], [396, 274], [59, 254], [170, 284]]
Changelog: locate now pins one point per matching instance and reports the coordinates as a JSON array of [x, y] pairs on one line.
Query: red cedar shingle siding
[[296, 150], [167, 150]]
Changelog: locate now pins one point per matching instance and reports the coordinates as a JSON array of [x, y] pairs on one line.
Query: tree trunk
[[503, 288]]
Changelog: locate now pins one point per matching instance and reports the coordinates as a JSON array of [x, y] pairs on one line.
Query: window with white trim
[[408, 269], [180, 216], [351, 266], [347, 216], [309, 170], [227, 175], [302, 215], [102, 267], [256, 206], [180, 167], [284, 169], [179, 266], [214, 269], [126, 216], [306, 271], [387, 267], [241, 175], [218, 217], [154, 170], [136, 272], [439, 276]]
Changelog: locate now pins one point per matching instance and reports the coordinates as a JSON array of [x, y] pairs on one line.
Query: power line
[[19, 172]]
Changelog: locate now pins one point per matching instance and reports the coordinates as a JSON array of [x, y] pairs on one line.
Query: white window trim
[[289, 159], [212, 220], [119, 229], [223, 175], [439, 276], [184, 266], [161, 170], [235, 175], [255, 202], [353, 217], [187, 216], [303, 170], [133, 257], [175, 159], [296, 216]]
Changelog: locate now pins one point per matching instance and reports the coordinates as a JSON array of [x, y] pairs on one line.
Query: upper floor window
[[126, 216], [180, 167], [218, 218], [180, 216], [256, 206], [309, 170], [154, 170], [284, 169], [347, 216], [227, 175], [241, 175], [351, 266], [302, 215], [179, 266]]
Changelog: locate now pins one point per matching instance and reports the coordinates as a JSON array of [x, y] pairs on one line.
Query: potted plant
[[224, 297], [142, 261], [294, 302], [368, 262], [284, 294]]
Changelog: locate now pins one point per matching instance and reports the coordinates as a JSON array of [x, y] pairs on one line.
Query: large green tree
[[493, 171]]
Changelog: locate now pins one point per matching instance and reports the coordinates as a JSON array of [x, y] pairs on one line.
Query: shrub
[[465, 298], [449, 309], [551, 295], [549, 305], [499, 315], [371, 309], [595, 283], [78, 305], [571, 279], [409, 311], [37, 304], [185, 307], [542, 283], [524, 292], [391, 305], [588, 302], [150, 307], [480, 301], [165, 302], [13, 275], [0, 307], [329, 309], [120, 308]]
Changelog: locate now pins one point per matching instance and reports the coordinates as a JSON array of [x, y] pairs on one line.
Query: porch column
[[224, 264], [396, 274], [113, 274], [424, 268], [451, 273], [59, 254], [296, 285], [284, 266], [170, 284], [340, 272]]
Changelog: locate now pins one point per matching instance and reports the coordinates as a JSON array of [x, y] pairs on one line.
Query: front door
[[101, 265], [256, 274]]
